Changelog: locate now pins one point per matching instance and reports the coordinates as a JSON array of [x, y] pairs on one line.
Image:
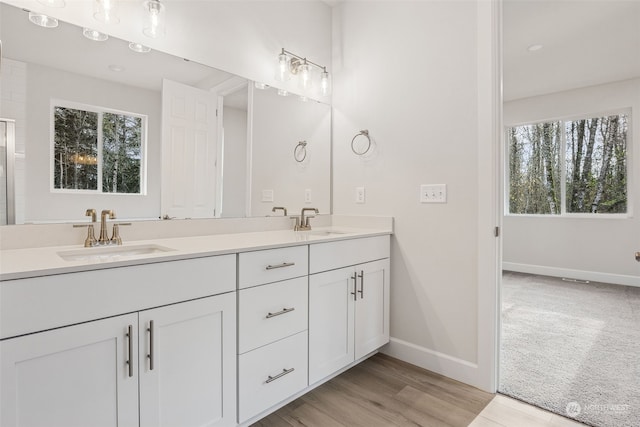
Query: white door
[[331, 316], [372, 307], [188, 151], [192, 347], [75, 376]]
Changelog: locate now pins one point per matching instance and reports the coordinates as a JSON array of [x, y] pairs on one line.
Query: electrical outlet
[[307, 195], [433, 193], [360, 195], [267, 195]]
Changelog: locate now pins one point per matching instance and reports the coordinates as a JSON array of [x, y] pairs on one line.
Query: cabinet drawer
[[271, 312], [39, 303], [270, 374], [272, 265], [332, 255]]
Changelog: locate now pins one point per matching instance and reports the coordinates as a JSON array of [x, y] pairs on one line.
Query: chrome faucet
[[279, 208], [104, 237], [304, 224]]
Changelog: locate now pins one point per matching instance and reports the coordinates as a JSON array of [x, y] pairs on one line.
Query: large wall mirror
[[147, 134]]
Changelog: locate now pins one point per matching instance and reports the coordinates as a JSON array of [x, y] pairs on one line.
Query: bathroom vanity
[[212, 330]]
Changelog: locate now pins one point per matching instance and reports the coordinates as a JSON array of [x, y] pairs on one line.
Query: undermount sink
[[327, 233], [111, 253]]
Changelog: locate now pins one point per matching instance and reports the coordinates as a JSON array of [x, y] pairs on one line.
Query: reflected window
[[98, 150]]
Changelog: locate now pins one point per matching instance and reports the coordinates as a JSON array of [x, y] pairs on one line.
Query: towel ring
[[300, 151], [363, 133]]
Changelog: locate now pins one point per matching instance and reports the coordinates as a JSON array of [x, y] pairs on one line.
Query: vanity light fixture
[[53, 3], [155, 26], [291, 64], [43, 20], [106, 11], [139, 48], [94, 35]]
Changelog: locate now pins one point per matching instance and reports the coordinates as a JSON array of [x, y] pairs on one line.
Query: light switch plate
[[267, 195], [360, 195], [307, 195], [433, 193]]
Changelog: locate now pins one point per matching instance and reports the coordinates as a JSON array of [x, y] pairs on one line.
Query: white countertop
[[33, 262]]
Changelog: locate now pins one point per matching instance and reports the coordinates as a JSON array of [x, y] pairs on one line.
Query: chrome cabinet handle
[[280, 375], [278, 313], [361, 291], [129, 336], [355, 286], [150, 355], [284, 264]]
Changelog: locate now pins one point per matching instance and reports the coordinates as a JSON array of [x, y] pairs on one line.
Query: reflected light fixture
[[154, 27], [53, 3], [260, 85], [291, 64], [139, 48], [106, 11], [43, 20], [94, 35], [283, 92]]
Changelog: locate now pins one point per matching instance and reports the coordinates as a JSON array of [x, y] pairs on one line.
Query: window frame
[[100, 111], [628, 111]]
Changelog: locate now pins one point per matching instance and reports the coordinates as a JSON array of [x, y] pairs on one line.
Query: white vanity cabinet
[[272, 327], [348, 305], [99, 372]]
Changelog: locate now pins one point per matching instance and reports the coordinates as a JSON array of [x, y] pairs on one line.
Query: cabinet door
[[331, 308], [188, 363], [73, 376], [372, 307]]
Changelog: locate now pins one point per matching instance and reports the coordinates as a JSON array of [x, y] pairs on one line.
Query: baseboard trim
[[440, 363], [592, 276]]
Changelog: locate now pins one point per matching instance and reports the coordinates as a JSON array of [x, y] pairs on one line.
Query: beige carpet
[[573, 349]]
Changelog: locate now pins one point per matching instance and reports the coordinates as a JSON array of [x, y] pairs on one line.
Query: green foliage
[[594, 163]]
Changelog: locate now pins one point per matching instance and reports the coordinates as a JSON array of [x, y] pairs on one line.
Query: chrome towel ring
[[361, 143], [300, 151]]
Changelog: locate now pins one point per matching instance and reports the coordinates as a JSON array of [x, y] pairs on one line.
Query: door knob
[[638, 256]]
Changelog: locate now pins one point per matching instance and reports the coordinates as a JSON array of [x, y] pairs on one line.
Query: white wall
[[234, 179], [413, 74], [596, 249], [279, 123], [47, 84]]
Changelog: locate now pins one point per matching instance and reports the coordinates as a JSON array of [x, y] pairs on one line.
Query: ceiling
[[65, 48], [585, 43]]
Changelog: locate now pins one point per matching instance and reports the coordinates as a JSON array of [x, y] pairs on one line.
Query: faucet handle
[[91, 240], [92, 214], [115, 236], [296, 226]]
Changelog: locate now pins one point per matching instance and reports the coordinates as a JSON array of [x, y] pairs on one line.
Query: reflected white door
[[188, 151]]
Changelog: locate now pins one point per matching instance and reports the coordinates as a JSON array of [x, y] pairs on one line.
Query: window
[[568, 166], [98, 150]]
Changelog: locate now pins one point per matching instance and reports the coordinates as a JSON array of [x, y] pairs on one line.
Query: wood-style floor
[[383, 391]]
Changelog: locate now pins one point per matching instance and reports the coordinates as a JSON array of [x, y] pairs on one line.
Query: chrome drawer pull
[[280, 375], [355, 286], [150, 355], [284, 264], [129, 336], [361, 291], [283, 311]]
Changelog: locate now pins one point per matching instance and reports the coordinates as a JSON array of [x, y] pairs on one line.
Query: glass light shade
[[325, 84], [139, 48], [43, 20], [106, 11], [282, 72], [283, 92], [304, 76], [53, 3], [155, 26], [94, 35]]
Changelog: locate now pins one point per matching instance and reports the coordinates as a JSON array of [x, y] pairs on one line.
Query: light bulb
[[43, 20], [304, 74], [155, 25], [106, 11], [94, 35], [282, 73], [324, 83]]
